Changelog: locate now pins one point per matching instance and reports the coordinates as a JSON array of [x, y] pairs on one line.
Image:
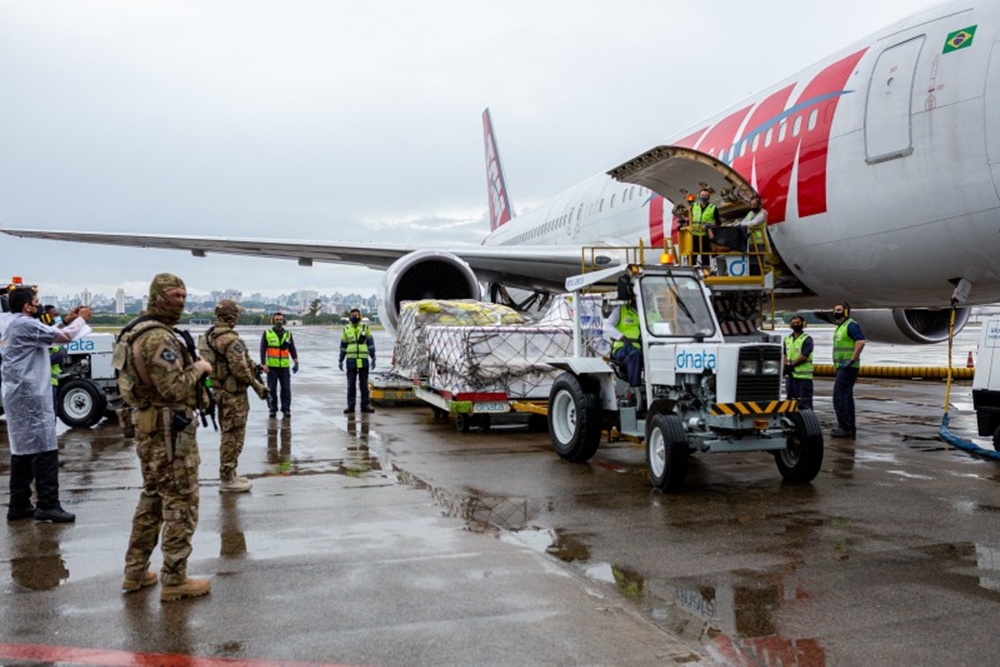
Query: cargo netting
[[473, 347]]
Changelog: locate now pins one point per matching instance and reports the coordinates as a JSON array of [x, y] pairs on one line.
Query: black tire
[[463, 422], [575, 419], [538, 423], [666, 452], [800, 461], [996, 436], [81, 403], [485, 423]]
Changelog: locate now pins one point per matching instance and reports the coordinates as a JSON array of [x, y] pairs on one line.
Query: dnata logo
[[697, 361], [80, 346]]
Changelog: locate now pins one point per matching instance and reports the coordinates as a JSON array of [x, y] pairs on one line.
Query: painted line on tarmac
[[111, 658]]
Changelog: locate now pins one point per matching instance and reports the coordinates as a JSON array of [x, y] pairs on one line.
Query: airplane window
[[812, 120], [743, 148], [797, 126], [631, 192], [600, 206], [756, 140], [782, 130], [613, 200], [768, 137], [579, 213]]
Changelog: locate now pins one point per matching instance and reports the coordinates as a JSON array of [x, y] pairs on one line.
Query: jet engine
[[424, 274], [909, 326]]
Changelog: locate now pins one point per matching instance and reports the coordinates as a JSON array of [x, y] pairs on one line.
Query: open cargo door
[[675, 171]]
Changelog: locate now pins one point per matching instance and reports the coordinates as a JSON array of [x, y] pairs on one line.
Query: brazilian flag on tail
[[959, 39]]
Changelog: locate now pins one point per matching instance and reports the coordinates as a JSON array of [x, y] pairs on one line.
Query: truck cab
[[702, 390]]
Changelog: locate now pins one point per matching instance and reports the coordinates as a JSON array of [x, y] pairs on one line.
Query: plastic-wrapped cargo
[[510, 359], [410, 354], [463, 347]]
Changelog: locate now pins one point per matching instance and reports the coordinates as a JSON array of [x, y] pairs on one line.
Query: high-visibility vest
[[793, 350], [756, 236], [357, 343], [843, 345], [56, 368], [278, 355], [700, 217], [628, 325]]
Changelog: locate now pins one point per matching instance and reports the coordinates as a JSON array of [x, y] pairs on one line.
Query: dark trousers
[[43, 470], [701, 246], [632, 358], [801, 390], [843, 398], [284, 376], [357, 376]]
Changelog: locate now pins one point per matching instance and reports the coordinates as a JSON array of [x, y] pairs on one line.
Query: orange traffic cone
[[968, 362]]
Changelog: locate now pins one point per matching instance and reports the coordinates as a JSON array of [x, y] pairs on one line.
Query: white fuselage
[[879, 167]]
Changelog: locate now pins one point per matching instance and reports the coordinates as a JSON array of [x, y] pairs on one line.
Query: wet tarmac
[[392, 539]]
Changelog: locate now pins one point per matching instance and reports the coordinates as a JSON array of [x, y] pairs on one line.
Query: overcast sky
[[316, 119]]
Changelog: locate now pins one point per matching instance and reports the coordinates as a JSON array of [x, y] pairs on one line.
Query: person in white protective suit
[[27, 400]]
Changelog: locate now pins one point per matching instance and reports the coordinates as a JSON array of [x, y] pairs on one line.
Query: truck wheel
[[574, 419], [81, 403], [666, 452], [996, 436], [463, 422], [799, 462]]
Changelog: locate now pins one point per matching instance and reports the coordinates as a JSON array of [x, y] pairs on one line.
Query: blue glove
[[340, 364], [373, 362], [295, 367]]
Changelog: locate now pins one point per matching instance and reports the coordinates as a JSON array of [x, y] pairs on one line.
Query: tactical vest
[[137, 392], [357, 343], [628, 325], [843, 345], [793, 350], [700, 217], [278, 355], [210, 353]]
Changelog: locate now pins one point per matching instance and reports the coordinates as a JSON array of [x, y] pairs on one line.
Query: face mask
[[797, 328], [355, 319], [279, 325], [704, 200], [57, 321], [38, 313], [838, 316]]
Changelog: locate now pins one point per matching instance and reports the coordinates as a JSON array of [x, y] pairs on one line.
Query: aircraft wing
[[529, 267]]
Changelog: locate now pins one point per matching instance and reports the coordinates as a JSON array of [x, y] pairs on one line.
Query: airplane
[[879, 168]]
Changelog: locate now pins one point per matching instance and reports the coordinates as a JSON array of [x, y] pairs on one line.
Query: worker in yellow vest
[[848, 341], [279, 360], [704, 216], [623, 329], [356, 348], [799, 364], [755, 223]]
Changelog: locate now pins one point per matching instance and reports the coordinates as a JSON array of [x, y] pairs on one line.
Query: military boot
[[191, 588], [234, 484], [149, 578]]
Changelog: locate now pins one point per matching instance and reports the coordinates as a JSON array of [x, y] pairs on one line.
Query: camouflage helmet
[[161, 306], [227, 311]]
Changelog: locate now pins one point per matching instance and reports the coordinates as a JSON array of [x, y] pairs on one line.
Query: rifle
[[204, 385]]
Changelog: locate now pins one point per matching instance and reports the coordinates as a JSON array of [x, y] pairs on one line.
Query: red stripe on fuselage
[[656, 221]]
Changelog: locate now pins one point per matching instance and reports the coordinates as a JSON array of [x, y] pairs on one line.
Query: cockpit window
[[676, 306]]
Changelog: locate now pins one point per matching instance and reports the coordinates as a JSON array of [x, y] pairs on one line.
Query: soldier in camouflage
[[233, 372], [159, 379]]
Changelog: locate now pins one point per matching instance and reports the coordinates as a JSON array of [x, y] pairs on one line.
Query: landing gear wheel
[[799, 462], [463, 422], [666, 452], [575, 419], [81, 403]]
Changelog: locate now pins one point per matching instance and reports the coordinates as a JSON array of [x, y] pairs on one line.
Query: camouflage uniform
[[232, 373], [168, 454]]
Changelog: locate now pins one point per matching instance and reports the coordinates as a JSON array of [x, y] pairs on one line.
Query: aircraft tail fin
[[496, 184]]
